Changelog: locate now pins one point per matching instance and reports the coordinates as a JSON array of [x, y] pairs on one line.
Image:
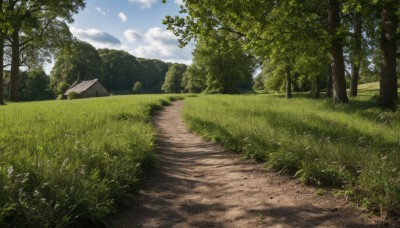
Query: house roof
[[81, 86]]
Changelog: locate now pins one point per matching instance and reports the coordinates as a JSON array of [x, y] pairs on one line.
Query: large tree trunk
[[338, 77], [355, 64], [317, 89], [288, 83], [388, 83], [2, 39], [14, 91], [329, 86]]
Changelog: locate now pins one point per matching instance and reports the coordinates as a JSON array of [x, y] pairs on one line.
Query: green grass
[[373, 86], [355, 147], [71, 162]]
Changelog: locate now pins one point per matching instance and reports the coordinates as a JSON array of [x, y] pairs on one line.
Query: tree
[[173, 78], [194, 79], [152, 73], [137, 88], [4, 30], [35, 85], [30, 21], [121, 69], [356, 53], [336, 51], [226, 64], [78, 60], [388, 96], [259, 82]]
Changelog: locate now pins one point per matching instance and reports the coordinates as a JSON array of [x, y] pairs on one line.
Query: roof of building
[[79, 87]]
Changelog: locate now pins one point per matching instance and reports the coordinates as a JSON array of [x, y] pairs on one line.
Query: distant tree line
[[117, 70], [305, 45]]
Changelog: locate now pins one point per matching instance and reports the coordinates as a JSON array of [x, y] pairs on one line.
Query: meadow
[[354, 147], [71, 162]]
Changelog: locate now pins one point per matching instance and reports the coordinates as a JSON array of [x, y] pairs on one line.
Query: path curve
[[199, 184]]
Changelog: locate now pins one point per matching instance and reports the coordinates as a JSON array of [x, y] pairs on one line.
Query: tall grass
[[355, 147], [70, 162]]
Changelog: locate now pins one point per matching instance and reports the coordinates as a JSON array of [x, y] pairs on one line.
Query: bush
[[72, 95], [137, 88]]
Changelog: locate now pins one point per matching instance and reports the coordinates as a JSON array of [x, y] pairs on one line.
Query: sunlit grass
[[63, 162], [354, 146]]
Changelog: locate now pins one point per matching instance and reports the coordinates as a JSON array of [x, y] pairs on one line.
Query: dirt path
[[199, 184]]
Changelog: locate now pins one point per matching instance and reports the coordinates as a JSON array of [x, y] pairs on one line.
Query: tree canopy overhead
[[279, 30]]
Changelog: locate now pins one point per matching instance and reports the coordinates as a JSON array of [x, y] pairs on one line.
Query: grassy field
[[71, 162], [354, 147]]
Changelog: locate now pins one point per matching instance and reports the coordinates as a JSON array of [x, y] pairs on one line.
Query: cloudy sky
[[131, 25]]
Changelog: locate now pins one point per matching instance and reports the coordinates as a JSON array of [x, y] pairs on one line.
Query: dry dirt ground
[[199, 184]]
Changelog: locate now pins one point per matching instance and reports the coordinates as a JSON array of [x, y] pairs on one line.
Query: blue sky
[[131, 25]]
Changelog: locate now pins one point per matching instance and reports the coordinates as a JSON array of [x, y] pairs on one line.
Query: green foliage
[[78, 60], [194, 79], [153, 74], [137, 88], [173, 78], [117, 70], [70, 163], [121, 69], [72, 95], [228, 67], [259, 83], [35, 85], [354, 147], [62, 87]]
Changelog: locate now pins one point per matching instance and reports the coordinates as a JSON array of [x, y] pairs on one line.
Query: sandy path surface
[[199, 184]]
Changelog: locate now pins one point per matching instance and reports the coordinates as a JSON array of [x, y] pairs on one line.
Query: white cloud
[[122, 16], [101, 11], [162, 44], [132, 36], [144, 3], [178, 2], [158, 43], [97, 38]]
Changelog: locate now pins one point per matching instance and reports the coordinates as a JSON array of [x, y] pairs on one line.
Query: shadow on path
[[199, 184]]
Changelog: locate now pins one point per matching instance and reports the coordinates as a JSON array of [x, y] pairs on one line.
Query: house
[[84, 89]]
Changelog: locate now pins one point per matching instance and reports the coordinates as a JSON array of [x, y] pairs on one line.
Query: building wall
[[96, 90]]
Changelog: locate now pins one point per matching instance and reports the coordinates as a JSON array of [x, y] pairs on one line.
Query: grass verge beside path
[[355, 147], [71, 162]]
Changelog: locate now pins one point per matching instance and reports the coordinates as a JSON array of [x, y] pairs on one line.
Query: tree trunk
[[388, 84], [355, 64], [14, 91], [338, 77], [2, 39], [288, 83], [317, 90], [329, 86]]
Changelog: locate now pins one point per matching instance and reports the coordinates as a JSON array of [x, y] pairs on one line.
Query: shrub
[[72, 95]]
